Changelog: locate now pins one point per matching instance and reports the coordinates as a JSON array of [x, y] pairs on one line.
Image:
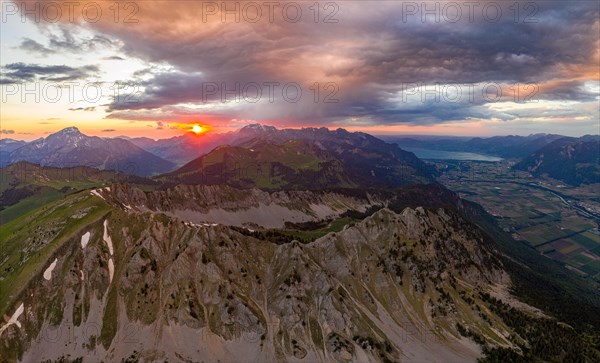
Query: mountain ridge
[[510, 146], [574, 161], [304, 159], [69, 147]]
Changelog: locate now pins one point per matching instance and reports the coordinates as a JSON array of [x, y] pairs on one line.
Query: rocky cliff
[[114, 283]]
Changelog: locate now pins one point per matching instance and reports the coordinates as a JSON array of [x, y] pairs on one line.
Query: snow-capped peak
[[70, 130]]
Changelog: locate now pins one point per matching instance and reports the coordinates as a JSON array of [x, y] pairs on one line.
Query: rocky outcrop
[[237, 207], [392, 287]]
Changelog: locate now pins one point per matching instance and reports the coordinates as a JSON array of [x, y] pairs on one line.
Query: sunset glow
[[372, 68]]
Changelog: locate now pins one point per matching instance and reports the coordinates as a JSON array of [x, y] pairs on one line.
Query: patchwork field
[[545, 214]]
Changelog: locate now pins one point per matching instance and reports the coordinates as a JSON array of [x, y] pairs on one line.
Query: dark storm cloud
[[163, 89], [371, 53], [7, 80], [32, 46], [65, 40], [89, 109], [22, 72]]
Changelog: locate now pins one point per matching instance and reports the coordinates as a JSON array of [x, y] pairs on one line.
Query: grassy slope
[[25, 187], [267, 166], [27, 243], [43, 195]]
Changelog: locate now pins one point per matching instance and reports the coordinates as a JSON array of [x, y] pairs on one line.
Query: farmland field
[[544, 213]]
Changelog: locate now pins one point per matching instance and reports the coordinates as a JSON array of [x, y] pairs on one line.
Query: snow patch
[[48, 272], [111, 269], [13, 318], [95, 192], [85, 239], [201, 225], [107, 238]]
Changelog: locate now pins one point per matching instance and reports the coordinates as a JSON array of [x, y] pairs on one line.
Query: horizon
[[200, 135], [391, 69]]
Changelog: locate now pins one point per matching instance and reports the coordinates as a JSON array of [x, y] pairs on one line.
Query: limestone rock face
[[391, 287], [230, 206]]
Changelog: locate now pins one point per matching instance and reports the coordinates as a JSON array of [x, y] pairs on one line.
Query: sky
[[155, 68]]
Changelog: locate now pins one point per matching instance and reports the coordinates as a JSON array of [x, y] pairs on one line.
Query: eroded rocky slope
[[114, 283], [236, 207]]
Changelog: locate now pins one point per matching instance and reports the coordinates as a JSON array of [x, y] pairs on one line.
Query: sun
[[197, 129]]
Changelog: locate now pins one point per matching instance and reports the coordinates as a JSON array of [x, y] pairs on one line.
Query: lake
[[449, 155]]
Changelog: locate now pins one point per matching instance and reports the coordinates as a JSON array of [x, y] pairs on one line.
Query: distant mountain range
[[575, 161], [69, 148], [185, 148], [298, 158], [6, 147], [504, 146], [310, 158], [305, 158]]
